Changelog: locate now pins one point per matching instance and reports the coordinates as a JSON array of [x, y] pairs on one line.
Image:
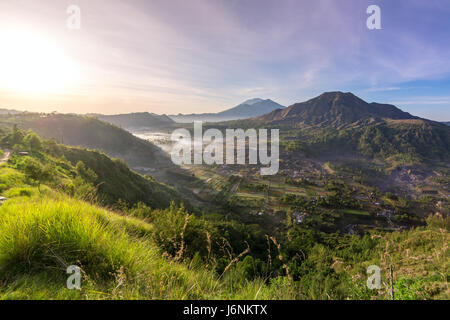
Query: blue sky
[[171, 56]]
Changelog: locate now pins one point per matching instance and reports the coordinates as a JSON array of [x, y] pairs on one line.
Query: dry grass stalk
[[237, 258], [280, 256], [180, 252]]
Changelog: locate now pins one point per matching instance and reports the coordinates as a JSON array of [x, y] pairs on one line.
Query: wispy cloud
[[424, 101], [200, 56]]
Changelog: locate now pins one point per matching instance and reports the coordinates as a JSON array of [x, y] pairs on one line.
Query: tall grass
[[43, 233], [41, 237]]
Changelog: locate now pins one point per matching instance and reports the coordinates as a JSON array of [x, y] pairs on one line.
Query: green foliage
[[33, 141], [34, 170], [11, 178], [438, 222], [140, 210], [88, 132], [114, 180], [86, 173], [409, 289], [15, 137], [180, 234], [399, 142], [19, 192]]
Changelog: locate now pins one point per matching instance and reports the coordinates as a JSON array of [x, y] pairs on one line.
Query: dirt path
[[328, 169], [6, 156]]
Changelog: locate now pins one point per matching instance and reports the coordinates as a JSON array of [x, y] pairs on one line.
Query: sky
[[178, 56]]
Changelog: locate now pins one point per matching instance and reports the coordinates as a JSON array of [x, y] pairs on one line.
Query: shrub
[[180, 234], [33, 141], [19, 192]]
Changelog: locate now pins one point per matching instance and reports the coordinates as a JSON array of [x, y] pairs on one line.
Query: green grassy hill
[[91, 133], [84, 173], [138, 120], [413, 140]]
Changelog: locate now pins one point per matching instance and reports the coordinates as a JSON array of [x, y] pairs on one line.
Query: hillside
[[337, 122], [413, 140], [91, 133], [134, 121], [247, 109], [85, 173]]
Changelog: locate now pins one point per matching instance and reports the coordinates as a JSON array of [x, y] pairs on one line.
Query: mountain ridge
[[92, 133], [335, 109], [135, 120]]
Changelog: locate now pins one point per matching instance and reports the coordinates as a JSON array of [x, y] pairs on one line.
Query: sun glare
[[29, 63]]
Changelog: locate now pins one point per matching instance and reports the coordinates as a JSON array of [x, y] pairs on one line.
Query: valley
[[408, 187], [308, 181], [349, 193]]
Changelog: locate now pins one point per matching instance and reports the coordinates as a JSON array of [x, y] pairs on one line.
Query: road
[[233, 189]]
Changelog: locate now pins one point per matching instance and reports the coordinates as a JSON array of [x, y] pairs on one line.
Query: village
[[301, 191]]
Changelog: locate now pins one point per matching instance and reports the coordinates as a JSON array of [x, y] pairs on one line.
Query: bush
[[33, 141], [409, 289], [34, 170], [19, 192], [180, 234]]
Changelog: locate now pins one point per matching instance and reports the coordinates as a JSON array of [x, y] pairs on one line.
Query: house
[[299, 217], [387, 213], [351, 229]]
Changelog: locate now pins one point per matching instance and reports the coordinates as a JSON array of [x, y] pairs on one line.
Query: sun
[[29, 63]]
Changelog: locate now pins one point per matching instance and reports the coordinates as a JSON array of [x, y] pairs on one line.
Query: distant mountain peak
[[251, 108], [338, 97], [247, 109], [252, 101]]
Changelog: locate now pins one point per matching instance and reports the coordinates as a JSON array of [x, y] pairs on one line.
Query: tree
[[86, 173], [34, 170], [17, 135], [33, 141]]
